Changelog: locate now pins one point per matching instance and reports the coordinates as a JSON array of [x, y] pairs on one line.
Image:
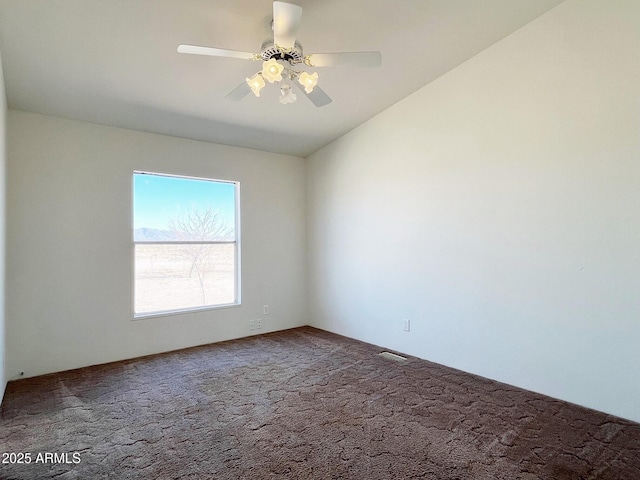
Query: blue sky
[[158, 198]]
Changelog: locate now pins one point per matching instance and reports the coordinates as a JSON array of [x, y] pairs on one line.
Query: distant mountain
[[153, 235], [157, 235]]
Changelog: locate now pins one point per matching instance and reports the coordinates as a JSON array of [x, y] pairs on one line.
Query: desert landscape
[[171, 276]]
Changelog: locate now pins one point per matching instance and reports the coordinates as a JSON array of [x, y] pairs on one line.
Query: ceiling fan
[[281, 57]]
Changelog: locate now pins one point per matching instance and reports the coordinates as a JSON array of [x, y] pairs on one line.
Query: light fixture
[[286, 95], [272, 70], [256, 83], [277, 67], [308, 81]]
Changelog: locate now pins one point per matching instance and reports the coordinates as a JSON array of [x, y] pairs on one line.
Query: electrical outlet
[[252, 324], [265, 309], [406, 326], [259, 323]]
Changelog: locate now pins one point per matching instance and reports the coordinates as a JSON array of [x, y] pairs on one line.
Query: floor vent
[[392, 356]]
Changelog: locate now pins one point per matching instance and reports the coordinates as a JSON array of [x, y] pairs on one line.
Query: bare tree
[[197, 228]]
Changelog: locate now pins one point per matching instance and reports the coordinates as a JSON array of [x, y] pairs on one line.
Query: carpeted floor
[[300, 404]]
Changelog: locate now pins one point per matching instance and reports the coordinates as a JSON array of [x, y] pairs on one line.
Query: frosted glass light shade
[[256, 83], [272, 70], [308, 81], [287, 95]]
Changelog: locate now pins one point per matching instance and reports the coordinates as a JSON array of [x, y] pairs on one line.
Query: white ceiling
[[114, 62]]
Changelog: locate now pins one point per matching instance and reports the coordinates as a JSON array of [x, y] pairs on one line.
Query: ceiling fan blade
[[318, 97], [286, 18], [239, 92], [353, 59], [216, 52]]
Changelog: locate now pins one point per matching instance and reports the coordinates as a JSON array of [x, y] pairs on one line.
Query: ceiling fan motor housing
[[270, 50]]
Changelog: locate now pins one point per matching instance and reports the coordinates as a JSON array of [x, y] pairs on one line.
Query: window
[[186, 242]]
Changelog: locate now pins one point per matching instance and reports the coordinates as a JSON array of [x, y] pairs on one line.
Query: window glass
[[185, 233]]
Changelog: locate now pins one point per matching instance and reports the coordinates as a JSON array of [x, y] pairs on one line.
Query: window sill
[[182, 311]]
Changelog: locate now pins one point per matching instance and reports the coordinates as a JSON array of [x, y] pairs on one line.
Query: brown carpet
[[301, 404]]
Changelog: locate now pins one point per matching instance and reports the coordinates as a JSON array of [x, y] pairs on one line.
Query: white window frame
[[237, 255]]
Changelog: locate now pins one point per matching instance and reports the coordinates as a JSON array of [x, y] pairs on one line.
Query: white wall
[[69, 268], [3, 152], [497, 209]]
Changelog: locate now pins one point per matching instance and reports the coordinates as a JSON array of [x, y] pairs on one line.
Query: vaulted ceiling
[[114, 62]]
